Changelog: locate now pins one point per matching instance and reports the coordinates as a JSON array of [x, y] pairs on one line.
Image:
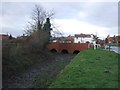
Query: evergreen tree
[[47, 29], [10, 37], [106, 40]]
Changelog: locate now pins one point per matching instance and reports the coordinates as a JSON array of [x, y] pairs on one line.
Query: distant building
[[101, 42], [77, 38], [56, 39], [114, 39], [4, 37], [84, 38], [69, 39], [117, 39]]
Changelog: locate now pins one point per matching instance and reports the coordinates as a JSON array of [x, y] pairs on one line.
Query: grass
[[115, 44], [90, 69], [102, 47]]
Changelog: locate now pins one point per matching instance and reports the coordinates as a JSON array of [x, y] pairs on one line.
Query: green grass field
[[90, 69]]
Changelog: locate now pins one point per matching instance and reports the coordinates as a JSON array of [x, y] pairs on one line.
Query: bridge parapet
[[70, 47]]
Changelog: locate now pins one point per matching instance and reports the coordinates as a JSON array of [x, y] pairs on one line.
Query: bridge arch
[[53, 50], [65, 51], [76, 52]]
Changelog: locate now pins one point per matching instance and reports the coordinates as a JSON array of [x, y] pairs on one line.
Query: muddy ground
[[40, 75]]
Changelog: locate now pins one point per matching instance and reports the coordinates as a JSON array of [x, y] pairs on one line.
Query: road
[[115, 49]]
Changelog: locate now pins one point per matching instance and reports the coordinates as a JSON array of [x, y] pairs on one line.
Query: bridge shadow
[[53, 51], [64, 51], [76, 52]]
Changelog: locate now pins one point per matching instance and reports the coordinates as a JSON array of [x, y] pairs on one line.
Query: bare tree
[[38, 17], [56, 32], [30, 28], [39, 29]]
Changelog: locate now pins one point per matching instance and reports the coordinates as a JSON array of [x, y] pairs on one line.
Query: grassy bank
[[90, 69]]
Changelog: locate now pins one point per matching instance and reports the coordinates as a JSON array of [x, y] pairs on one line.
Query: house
[[114, 39], [101, 42], [77, 38], [88, 39], [69, 39], [4, 37], [56, 39], [84, 38], [110, 39], [117, 39]]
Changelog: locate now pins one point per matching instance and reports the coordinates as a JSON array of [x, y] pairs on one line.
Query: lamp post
[[109, 45]]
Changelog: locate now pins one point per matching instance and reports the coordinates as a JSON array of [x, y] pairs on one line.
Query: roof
[[4, 36], [70, 38], [118, 36], [59, 38], [82, 35]]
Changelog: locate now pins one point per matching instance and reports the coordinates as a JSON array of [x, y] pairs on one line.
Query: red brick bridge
[[67, 47]]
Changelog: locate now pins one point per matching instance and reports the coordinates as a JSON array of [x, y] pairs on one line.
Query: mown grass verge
[[90, 69]]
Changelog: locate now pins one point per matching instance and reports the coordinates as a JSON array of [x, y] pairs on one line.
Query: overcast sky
[[99, 18]]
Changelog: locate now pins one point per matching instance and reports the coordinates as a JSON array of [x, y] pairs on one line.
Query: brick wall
[[70, 47]]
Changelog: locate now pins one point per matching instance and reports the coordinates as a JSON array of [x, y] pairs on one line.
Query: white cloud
[[13, 25], [73, 26], [71, 17], [82, 14]]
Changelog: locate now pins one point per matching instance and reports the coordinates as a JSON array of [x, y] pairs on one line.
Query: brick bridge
[[67, 47]]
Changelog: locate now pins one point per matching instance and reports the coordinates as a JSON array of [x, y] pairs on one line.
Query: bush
[[19, 56]]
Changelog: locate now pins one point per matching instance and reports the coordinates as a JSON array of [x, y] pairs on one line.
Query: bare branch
[[56, 31], [39, 16]]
